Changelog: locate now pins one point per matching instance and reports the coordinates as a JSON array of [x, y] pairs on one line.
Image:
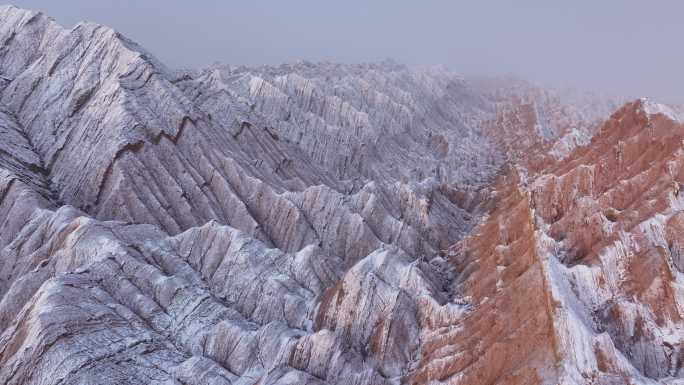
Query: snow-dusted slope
[[653, 108], [576, 276], [295, 224]]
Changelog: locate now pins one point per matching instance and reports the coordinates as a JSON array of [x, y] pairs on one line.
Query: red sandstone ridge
[[608, 214], [576, 276], [535, 125], [508, 336]]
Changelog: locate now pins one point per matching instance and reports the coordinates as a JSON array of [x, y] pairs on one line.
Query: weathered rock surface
[[574, 277], [326, 224]]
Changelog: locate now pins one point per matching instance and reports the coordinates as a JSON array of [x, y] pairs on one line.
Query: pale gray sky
[[626, 47]]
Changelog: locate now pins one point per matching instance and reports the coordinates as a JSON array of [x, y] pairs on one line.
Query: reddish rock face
[[612, 209], [535, 128], [575, 276], [508, 336]]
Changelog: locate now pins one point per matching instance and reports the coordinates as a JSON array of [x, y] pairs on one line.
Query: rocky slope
[[326, 224], [577, 274]]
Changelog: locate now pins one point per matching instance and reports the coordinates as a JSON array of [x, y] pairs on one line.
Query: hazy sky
[[627, 47]]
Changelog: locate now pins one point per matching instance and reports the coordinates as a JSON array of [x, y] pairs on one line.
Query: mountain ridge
[[324, 223]]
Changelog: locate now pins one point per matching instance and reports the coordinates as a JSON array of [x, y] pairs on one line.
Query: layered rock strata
[[325, 224]]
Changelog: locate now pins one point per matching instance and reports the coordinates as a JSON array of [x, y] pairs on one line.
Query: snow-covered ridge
[[653, 108]]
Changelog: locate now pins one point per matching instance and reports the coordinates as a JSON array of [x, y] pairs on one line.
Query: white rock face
[[653, 108], [274, 225]]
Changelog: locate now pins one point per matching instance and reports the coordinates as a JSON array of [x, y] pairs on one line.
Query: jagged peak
[[23, 16], [643, 109], [14, 10], [651, 108]]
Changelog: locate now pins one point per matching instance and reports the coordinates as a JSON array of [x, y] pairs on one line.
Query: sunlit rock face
[[326, 224]]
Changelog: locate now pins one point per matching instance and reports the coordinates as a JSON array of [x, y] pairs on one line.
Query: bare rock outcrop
[[573, 278]]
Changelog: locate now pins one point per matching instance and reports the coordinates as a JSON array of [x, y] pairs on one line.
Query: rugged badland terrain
[[327, 224]]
